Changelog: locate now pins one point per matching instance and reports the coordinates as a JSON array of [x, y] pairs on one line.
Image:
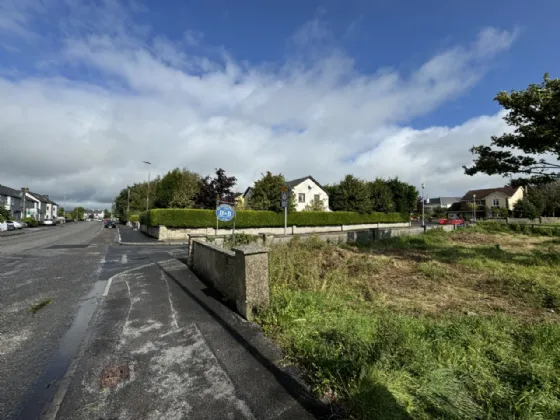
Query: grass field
[[459, 325]]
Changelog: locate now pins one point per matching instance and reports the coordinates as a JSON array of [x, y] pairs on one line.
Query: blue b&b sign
[[225, 213]]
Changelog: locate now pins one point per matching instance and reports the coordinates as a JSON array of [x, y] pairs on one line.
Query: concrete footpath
[[164, 346]]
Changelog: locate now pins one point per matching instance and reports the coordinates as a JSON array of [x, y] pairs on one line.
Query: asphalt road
[[58, 265], [186, 354]]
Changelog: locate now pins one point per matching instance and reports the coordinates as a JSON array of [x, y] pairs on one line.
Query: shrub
[[194, 218], [31, 222], [134, 218]]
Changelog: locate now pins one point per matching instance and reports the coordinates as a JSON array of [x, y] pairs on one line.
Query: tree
[[351, 194], [534, 115], [78, 213], [177, 189], [106, 214], [381, 196], [524, 208], [266, 194], [220, 187], [316, 205], [405, 196], [439, 212], [550, 194], [4, 214], [138, 193], [60, 212]]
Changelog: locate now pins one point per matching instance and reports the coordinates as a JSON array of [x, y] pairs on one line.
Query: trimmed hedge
[[194, 218]]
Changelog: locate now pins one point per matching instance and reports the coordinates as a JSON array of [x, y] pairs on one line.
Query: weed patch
[[40, 305], [445, 325]]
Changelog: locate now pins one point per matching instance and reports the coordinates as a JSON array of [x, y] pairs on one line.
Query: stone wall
[[164, 233], [240, 274]]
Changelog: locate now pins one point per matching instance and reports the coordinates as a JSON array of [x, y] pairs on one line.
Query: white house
[[306, 190]]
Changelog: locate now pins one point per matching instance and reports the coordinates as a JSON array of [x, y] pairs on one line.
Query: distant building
[[94, 214], [444, 202]]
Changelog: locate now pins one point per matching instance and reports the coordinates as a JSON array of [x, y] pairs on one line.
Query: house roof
[[481, 194], [443, 201], [246, 191], [42, 198], [294, 182], [9, 191]]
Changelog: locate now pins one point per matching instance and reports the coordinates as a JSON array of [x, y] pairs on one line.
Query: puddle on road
[[46, 386]]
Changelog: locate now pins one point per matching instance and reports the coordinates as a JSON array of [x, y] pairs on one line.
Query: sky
[[90, 90]]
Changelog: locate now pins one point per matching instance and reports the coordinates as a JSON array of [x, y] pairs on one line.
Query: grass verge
[[457, 325]]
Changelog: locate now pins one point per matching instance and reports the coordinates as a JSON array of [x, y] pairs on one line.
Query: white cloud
[[320, 116]]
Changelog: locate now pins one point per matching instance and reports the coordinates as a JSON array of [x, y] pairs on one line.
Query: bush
[[194, 218], [134, 218], [31, 222]]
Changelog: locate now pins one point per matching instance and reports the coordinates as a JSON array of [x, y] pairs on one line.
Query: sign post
[[284, 198], [225, 213]]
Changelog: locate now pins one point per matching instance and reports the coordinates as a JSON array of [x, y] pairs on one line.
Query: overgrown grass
[[455, 326]]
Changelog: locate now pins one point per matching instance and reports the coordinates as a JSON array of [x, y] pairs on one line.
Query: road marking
[[124, 259], [110, 281], [119, 232]]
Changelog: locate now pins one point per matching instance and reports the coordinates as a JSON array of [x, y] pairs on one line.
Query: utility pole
[[423, 200], [128, 204], [474, 207], [24, 191], [148, 195]]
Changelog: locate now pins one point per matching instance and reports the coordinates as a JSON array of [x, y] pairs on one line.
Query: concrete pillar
[[162, 233], [251, 278]]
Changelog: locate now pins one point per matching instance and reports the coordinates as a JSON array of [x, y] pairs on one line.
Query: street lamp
[[474, 207], [423, 201], [148, 195]]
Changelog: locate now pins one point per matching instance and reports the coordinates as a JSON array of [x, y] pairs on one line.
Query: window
[[317, 197], [301, 198], [496, 202]]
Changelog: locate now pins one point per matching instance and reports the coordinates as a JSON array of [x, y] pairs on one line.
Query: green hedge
[[193, 218]]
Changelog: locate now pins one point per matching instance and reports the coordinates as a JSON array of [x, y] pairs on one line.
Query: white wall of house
[[498, 199], [33, 211], [305, 192]]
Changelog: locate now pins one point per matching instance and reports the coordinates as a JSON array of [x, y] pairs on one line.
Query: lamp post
[[474, 207], [148, 195]]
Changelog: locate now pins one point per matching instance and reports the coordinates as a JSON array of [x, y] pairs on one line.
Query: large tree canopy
[[266, 193], [532, 149], [177, 189], [221, 186]]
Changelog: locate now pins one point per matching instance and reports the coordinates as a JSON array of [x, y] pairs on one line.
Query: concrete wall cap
[[251, 249]]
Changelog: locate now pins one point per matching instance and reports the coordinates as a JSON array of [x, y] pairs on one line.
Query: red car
[[451, 221]]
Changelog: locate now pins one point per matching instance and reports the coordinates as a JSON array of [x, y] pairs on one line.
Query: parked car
[[110, 224], [16, 224], [10, 225], [49, 222], [3, 226]]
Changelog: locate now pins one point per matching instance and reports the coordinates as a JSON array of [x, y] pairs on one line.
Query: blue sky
[[399, 88]]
